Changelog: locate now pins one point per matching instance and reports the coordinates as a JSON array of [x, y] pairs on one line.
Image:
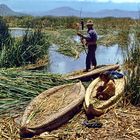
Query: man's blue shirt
[[91, 35]]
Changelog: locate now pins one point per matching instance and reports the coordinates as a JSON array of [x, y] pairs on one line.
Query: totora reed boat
[[52, 108], [80, 74], [97, 107]]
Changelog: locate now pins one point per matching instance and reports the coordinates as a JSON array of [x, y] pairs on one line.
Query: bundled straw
[[17, 88]]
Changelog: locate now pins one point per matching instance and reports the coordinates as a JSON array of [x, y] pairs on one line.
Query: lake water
[[61, 64], [17, 32]]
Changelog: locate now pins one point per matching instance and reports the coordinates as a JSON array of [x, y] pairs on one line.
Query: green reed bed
[[133, 64], [17, 87], [69, 47], [26, 50], [108, 40], [64, 39]]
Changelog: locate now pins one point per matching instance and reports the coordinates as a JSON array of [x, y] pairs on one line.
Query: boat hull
[[55, 119], [96, 107], [80, 74]]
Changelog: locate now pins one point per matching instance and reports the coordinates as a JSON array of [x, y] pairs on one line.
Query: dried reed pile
[[18, 87], [121, 123]]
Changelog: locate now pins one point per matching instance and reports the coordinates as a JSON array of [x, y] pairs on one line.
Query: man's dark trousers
[[91, 59]]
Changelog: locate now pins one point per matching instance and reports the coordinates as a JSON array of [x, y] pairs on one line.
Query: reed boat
[[81, 74], [97, 107], [52, 108]]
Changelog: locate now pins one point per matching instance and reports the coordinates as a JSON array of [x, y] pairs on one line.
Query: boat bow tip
[[26, 133]]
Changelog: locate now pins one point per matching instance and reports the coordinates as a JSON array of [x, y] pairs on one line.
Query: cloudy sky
[[114, 1], [86, 5]]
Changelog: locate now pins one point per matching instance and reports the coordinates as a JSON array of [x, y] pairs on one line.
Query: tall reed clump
[[5, 37], [33, 46], [133, 63]]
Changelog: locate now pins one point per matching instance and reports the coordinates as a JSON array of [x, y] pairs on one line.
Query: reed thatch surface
[[50, 107], [91, 91], [81, 74], [120, 123], [47, 104]]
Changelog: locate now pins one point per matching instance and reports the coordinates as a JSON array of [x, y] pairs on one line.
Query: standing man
[[82, 24], [91, 39]]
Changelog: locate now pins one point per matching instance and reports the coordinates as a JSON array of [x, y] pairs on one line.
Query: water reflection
[[109, 55], [60, 63], [17, 32], [76, 38], [64, 64]]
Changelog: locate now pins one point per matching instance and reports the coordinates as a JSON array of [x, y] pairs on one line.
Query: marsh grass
[[5, 37], [27, 50], [65, 42], [132, 61]]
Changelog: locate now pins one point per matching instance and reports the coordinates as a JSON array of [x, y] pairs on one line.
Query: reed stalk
[[17, 88], [132, 61]]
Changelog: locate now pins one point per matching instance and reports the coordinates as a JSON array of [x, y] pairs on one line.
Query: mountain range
[[67, 11], [6, 11]]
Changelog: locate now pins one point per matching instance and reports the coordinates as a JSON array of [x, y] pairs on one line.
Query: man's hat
[[89, 22]]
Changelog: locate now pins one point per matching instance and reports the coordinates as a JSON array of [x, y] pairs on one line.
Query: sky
[[114, 1], [85, 5]]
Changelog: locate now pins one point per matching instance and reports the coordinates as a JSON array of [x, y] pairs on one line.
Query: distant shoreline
[[18, 28]]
